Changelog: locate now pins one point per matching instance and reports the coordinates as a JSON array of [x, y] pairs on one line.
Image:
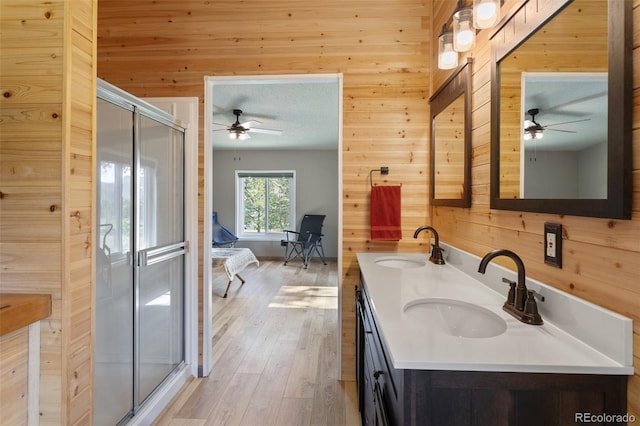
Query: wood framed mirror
[[562, 108], [451, 140]]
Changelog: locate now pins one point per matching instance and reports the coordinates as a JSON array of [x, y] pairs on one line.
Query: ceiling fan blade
[[566, 122], [250, 123], [560, 107], [563, 131], [265, 131]]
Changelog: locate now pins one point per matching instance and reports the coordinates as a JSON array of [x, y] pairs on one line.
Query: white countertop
[[521, 348]]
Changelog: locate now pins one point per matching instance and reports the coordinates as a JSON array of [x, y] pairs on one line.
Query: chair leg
[[295, 248], [321, 253], [227, 290], [319, 250], [242, 281], [305, 258]]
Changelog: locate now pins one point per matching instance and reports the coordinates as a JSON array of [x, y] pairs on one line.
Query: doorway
[[272, 117]]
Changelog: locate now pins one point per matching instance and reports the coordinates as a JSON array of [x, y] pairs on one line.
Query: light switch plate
[[553, 244]]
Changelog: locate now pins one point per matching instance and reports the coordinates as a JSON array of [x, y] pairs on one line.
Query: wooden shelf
[[20, 310]]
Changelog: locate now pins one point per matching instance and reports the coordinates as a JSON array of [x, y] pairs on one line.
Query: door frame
[[207, 290]]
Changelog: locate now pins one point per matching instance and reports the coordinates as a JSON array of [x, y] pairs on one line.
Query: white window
[[115, 205], [265, 204]]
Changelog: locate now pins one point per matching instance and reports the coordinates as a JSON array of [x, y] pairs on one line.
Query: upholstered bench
[[234, 260]]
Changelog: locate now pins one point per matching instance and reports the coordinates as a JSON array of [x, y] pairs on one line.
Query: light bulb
[[450, 57], [485, 13], [238, 136], [447, 57], [464, 36]]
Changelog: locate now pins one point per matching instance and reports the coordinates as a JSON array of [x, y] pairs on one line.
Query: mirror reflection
[[451, 140], [553, 109], [449, 153], [564, 139]]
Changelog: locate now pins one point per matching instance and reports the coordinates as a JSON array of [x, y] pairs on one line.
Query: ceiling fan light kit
[[238, 135], [240, 131], [534, 130]]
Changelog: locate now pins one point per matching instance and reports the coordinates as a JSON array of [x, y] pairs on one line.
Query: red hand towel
[[385, 213]]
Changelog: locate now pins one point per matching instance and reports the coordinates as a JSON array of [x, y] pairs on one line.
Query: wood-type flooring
[[275, 361]]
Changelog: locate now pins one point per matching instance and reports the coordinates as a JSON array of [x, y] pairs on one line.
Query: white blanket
[[233, 259]]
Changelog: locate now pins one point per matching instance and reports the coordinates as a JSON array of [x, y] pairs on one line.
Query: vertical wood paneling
[[46, 153], [31, 169], [14, 356], [80, 100]]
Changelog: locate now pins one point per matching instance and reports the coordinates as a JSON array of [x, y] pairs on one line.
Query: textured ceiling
[[305, 109], [568, 102]]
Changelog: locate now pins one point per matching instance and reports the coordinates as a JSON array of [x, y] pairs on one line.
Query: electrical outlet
[[553, 244]]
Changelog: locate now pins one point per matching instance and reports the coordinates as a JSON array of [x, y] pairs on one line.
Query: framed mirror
[[561, 109], [451, 140]]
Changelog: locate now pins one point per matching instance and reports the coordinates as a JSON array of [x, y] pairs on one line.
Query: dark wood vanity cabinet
[[376, 393], [388, 396]]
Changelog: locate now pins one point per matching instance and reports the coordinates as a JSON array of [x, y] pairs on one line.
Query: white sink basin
[[399, 262], [456, 317]]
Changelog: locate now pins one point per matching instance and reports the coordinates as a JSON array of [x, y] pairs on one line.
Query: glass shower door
[[114, 270], [140, 254], [161, 252]]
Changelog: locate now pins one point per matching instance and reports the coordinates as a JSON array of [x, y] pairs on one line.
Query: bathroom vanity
[[434, 347]]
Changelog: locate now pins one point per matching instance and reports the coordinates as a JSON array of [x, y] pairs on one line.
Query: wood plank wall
[[600, 256], [165, 48], [14, 376], [46, 153]]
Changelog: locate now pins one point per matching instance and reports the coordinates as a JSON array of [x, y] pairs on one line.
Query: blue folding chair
[[221, 236]]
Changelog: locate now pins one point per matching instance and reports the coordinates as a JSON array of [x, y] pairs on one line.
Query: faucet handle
[[531, 309], [436, 255], [511, 297], [537, 295]]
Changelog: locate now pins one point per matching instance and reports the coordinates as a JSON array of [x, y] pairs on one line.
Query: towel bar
[[383, 171]]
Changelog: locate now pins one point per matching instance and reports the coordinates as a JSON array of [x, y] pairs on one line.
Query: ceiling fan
[[241, 131], [534, 130]]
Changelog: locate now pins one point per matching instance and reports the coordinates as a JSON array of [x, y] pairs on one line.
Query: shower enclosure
[[140, 249]]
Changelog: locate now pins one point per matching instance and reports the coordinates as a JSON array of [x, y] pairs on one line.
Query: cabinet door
[[368, 409], [381, 418], [359, 349]]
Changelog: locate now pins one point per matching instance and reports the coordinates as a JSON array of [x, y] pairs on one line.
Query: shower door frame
[[160, 397]]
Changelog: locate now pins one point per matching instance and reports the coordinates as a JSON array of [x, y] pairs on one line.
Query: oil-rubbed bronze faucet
[[521, 302], [436, 250]]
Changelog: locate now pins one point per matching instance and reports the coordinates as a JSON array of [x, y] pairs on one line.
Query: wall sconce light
[[485, 13], [464, 35], [447, 56], [463, 24]]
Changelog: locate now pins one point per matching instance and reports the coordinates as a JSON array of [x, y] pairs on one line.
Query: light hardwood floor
[[275, 353]]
